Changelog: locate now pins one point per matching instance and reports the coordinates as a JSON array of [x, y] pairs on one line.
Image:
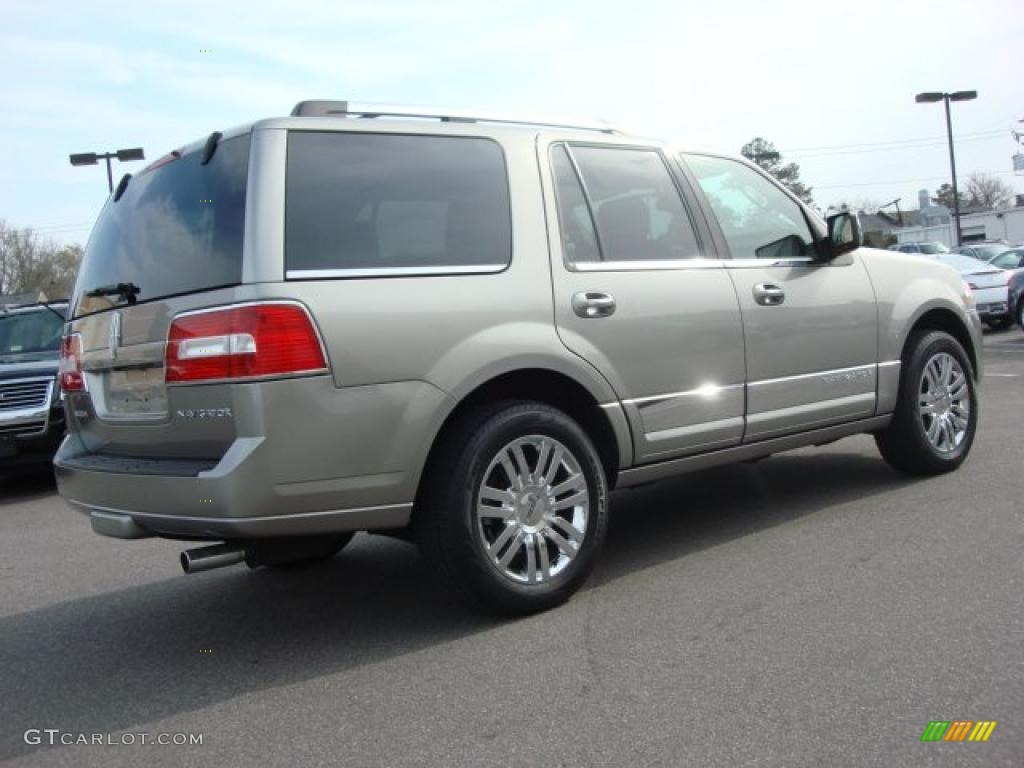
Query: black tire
[[1001, 323], [1020, 313], [294, 551], [905, 444], [452, 538]]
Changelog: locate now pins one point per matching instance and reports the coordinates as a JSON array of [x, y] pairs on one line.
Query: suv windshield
[[177, 228], [30, 334]]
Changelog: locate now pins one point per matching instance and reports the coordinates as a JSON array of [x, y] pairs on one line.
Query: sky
[[830, 84]]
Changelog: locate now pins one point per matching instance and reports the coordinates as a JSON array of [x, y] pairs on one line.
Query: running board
[[649, 473]]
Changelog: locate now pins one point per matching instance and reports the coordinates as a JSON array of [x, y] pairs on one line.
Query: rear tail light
[[245, 342], [71, 377]]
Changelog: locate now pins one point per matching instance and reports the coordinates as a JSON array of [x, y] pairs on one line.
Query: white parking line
[[1003, 375]]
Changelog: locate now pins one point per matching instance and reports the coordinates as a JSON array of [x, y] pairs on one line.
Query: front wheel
[[936, 415], [516, 510]]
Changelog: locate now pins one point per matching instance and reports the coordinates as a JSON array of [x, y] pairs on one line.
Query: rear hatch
[[168, 241]]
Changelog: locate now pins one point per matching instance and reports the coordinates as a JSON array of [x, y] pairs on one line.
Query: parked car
[[466, 329], [989, 284], [1012, 259], [31, 408], [982, 251], [929, 248], [1015, 289]]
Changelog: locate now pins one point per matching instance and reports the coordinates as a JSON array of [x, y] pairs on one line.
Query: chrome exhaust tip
[[208, 558]]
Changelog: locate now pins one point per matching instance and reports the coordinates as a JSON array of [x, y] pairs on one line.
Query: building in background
[[1006, 224]]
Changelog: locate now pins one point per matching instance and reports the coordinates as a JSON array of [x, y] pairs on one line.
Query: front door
[[811, 326], [636, 296]]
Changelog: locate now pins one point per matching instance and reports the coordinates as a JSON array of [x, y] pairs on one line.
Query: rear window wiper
[[126, 292]]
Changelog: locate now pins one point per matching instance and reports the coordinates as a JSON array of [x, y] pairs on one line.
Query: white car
[[989, 284]]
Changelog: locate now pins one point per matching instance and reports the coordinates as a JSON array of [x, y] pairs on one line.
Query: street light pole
[[932, 96], [92, 158], [952, 168]]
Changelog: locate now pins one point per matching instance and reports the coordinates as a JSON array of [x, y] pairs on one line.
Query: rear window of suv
[[178, 228], [361, 204]]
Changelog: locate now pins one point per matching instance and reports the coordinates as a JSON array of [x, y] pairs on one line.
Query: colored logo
[[958, 730]]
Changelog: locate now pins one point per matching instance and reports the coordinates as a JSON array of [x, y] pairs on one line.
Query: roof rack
[[322, 108]]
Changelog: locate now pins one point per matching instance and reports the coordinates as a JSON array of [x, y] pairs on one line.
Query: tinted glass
[[1009, 260], [177, 228], [931, 248], [28, 334], [385, 203], [640, 215], [757, 218], [579, 240]]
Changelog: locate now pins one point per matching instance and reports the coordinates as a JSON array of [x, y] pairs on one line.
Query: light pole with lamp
[[92, 158], [932, 96]]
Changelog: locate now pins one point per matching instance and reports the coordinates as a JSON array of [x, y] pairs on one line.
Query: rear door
[[171, 242], [639, 295], [810, 326]]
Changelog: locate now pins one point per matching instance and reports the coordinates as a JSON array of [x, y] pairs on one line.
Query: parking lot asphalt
[[813, 609]]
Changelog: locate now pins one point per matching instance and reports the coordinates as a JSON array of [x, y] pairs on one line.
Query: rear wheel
[[516, 509], [936, 415]]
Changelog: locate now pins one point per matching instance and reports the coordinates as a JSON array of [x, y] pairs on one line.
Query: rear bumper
[[327, 460], [120, 524]]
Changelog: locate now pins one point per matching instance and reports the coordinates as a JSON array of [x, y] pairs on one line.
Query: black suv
[[31, 407]]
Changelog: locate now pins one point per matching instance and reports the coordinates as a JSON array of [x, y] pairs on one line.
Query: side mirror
[[844, 235]]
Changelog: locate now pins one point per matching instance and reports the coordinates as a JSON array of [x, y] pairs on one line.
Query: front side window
[[758, 219], [365, 203], [628, 198]]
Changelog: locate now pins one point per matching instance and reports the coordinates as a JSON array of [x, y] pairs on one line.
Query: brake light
[[244, 342], [71, 377]]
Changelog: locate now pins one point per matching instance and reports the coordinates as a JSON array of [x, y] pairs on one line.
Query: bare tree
[[29, 263], [989, 192], [763, 153]]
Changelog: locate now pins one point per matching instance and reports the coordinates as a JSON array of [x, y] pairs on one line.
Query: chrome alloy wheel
[[944, 402], [532, 509]]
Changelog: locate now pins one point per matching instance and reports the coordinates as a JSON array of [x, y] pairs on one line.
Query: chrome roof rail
[[322, 108]]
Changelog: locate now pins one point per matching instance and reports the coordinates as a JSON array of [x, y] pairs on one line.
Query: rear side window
[[636, 206], [381, 204], [579, 239]]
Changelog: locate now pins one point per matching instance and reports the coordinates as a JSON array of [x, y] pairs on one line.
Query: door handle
[[593, 304], [769, 294]]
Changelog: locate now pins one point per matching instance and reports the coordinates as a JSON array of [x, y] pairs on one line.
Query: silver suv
[[466, 329]]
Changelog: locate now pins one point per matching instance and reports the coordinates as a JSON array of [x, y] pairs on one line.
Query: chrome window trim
[[645, 266], [323, 274], [794, 261]]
